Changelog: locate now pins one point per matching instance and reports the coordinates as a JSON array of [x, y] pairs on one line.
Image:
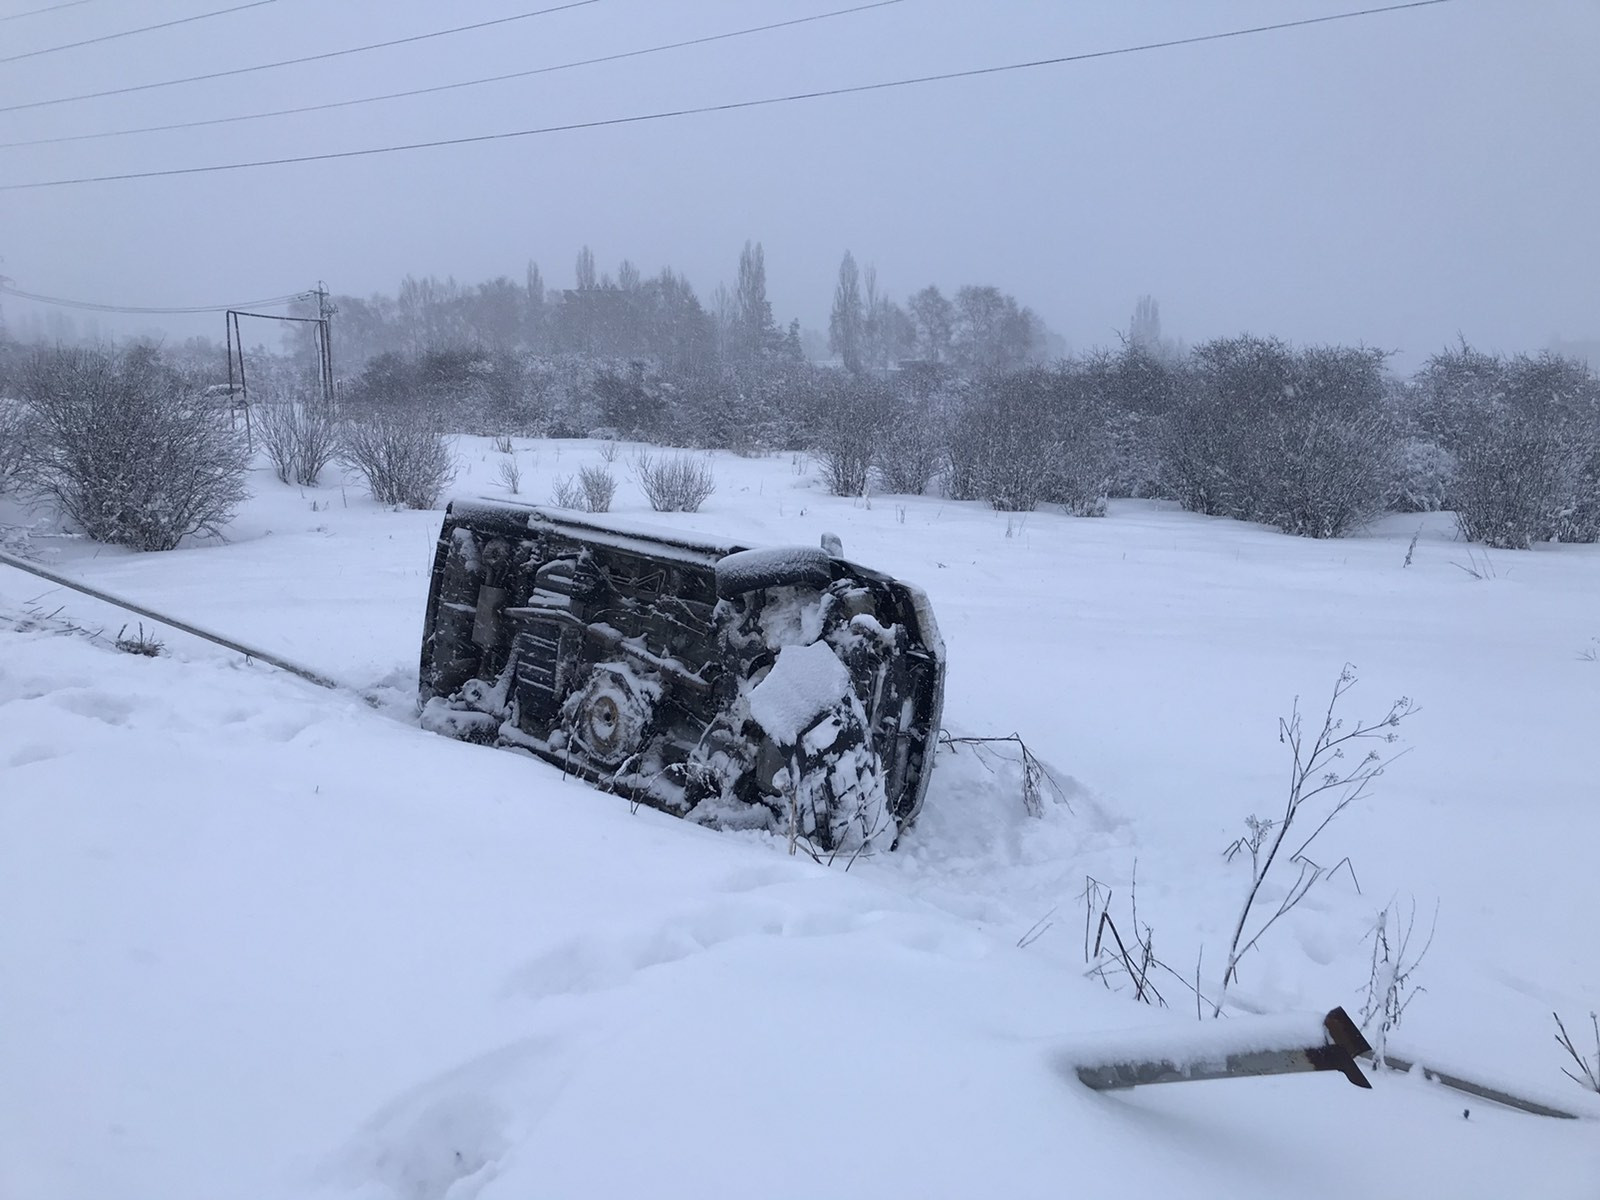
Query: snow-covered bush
[[909, 450], [674, 482], [1303, 440], [1081, 479], [1087, 428], [1032, 436], [1020, 438], [404, 456], [1132, 390], [471, 389], [13, 440], [1580, 520], [1518, 479], [1424, 474], [966, 451], [299, 439], [851, 419], [1332, 470], [128, 451], [631, 400], [844, 460], [1526, 435]]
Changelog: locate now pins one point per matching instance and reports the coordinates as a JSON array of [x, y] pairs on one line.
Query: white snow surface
[[804, 683], [262, 940]]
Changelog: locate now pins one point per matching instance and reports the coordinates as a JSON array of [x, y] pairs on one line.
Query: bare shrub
[[510, 472], [1322, 784], [674, 483], [566, 493], [1120, 968], [127, 450], [146, 645], [299, 439], [501, 444], [1037, 781], [609, 449], [844, 462], [1588, 1073], [1390, 989], [599, 486], [404, 456]]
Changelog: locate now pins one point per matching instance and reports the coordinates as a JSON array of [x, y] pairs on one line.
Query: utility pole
[[325, 311], [238, 394]]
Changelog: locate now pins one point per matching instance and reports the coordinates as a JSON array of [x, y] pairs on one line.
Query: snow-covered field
[[263, 940]]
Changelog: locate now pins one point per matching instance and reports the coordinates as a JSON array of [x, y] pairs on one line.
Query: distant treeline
[[968, 395], [661, 319]]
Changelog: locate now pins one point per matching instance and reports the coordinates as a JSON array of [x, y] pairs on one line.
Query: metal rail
[[1342, 1044], [199, 631], [1481, 1090]]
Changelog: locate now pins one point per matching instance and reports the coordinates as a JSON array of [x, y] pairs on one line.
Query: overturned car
[[782, 689]]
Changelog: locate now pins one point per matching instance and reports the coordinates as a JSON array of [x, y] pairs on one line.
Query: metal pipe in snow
[[249, 651]]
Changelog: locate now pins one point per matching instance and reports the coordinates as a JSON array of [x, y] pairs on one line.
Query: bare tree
[[754, 331], [933, 320], [1144, 329], [844, 324], [583, 274]]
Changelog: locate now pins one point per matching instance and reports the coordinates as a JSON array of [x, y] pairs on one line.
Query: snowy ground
[[269, 941]]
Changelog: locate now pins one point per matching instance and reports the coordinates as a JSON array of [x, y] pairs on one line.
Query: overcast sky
[[1392, 180]]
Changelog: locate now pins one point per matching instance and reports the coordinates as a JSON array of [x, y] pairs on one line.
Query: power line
[[111, 37], [445, 87], [291, 62], [730, 106], [91, 306], [49, 8]]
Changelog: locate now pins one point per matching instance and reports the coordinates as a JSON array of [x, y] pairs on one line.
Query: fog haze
[[1394, 180]]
